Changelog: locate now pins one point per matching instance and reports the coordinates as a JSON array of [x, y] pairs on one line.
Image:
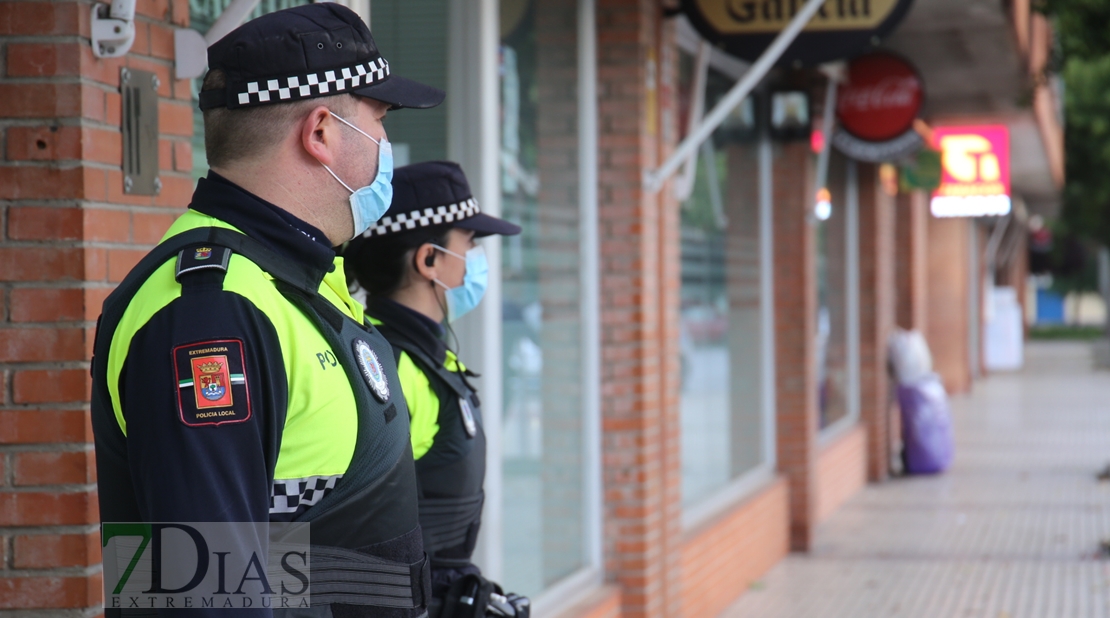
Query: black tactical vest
[[367, 554], [451, 474]]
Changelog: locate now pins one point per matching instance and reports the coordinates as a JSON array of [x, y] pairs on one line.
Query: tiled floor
[[1012, 530]]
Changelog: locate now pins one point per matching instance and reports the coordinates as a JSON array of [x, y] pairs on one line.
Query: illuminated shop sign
[[975, 171]]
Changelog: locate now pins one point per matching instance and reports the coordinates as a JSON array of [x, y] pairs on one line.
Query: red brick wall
[[841, 471], [947, 301], [68, 235], [911, 259], [795, 334], [639, 299], [877, 306], [721, 559]]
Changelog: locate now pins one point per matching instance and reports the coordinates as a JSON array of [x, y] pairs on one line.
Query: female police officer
[[420, 266]]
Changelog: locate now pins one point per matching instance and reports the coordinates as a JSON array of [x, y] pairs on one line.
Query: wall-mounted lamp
[[790, 115]]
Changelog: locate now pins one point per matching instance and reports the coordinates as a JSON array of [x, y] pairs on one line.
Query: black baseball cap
[[435, 193], [308, 51]]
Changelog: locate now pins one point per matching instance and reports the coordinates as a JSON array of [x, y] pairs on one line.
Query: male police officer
[[235, 379]]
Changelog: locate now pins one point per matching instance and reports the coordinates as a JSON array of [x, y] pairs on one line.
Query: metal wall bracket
[[140, 132], [113, 28]]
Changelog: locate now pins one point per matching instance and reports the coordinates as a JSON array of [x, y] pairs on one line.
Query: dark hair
[[242, 133], [379, 263]]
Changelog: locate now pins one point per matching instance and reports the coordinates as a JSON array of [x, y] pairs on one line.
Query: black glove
[[522, 605]]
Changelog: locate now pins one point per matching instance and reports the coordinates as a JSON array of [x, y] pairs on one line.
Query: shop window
[[412, 35], [835, 352], [543, 506], [543, 447], [725, 416]]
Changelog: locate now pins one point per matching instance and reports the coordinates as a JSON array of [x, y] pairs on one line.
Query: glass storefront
[[543, 523], [835, 378], [724, 413], [542, 509], [412, 35]]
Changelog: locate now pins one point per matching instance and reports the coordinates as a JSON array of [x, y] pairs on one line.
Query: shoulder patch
[[202, 257], [211, 383]]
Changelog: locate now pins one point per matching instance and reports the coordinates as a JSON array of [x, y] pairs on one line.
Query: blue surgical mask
[[465, 298], [369, 203]]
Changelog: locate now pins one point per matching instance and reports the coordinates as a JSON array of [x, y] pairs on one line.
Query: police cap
[[309, 51], [435, 193]]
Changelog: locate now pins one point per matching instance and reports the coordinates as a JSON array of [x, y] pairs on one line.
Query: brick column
[[795, 336], [670, 301], [877, 306], [947, 328], [911, 253], [69, 234], [639, 303]]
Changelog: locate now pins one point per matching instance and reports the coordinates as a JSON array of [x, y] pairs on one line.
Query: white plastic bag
[[909, 356]]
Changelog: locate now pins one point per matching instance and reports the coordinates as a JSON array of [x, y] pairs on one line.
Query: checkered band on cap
[[330, 82], [423, 217]]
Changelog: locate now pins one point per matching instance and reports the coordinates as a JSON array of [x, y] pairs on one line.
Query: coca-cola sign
[[881, 97]]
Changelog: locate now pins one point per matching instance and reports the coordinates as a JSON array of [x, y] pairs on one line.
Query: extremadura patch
[[211, 383]]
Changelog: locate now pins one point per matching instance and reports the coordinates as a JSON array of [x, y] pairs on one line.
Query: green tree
[[1082, 58]]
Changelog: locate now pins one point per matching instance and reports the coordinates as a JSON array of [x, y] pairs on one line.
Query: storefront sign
[[975, 171], [881, 97], [897, 149], [841, 28]]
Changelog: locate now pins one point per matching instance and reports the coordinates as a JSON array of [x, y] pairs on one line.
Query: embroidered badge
[[203, 253], [211, 383], [372, 370], [468, 417]]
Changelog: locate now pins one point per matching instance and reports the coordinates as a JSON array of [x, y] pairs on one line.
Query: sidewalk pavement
[[1011, 531]]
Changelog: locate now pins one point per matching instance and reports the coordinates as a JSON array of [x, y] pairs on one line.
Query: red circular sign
[[881, 98]]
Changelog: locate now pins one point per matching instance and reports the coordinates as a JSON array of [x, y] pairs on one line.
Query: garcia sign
[[841, 28]]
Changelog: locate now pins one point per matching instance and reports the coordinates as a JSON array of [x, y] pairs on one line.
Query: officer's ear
[[424, 261], [319, 135]]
